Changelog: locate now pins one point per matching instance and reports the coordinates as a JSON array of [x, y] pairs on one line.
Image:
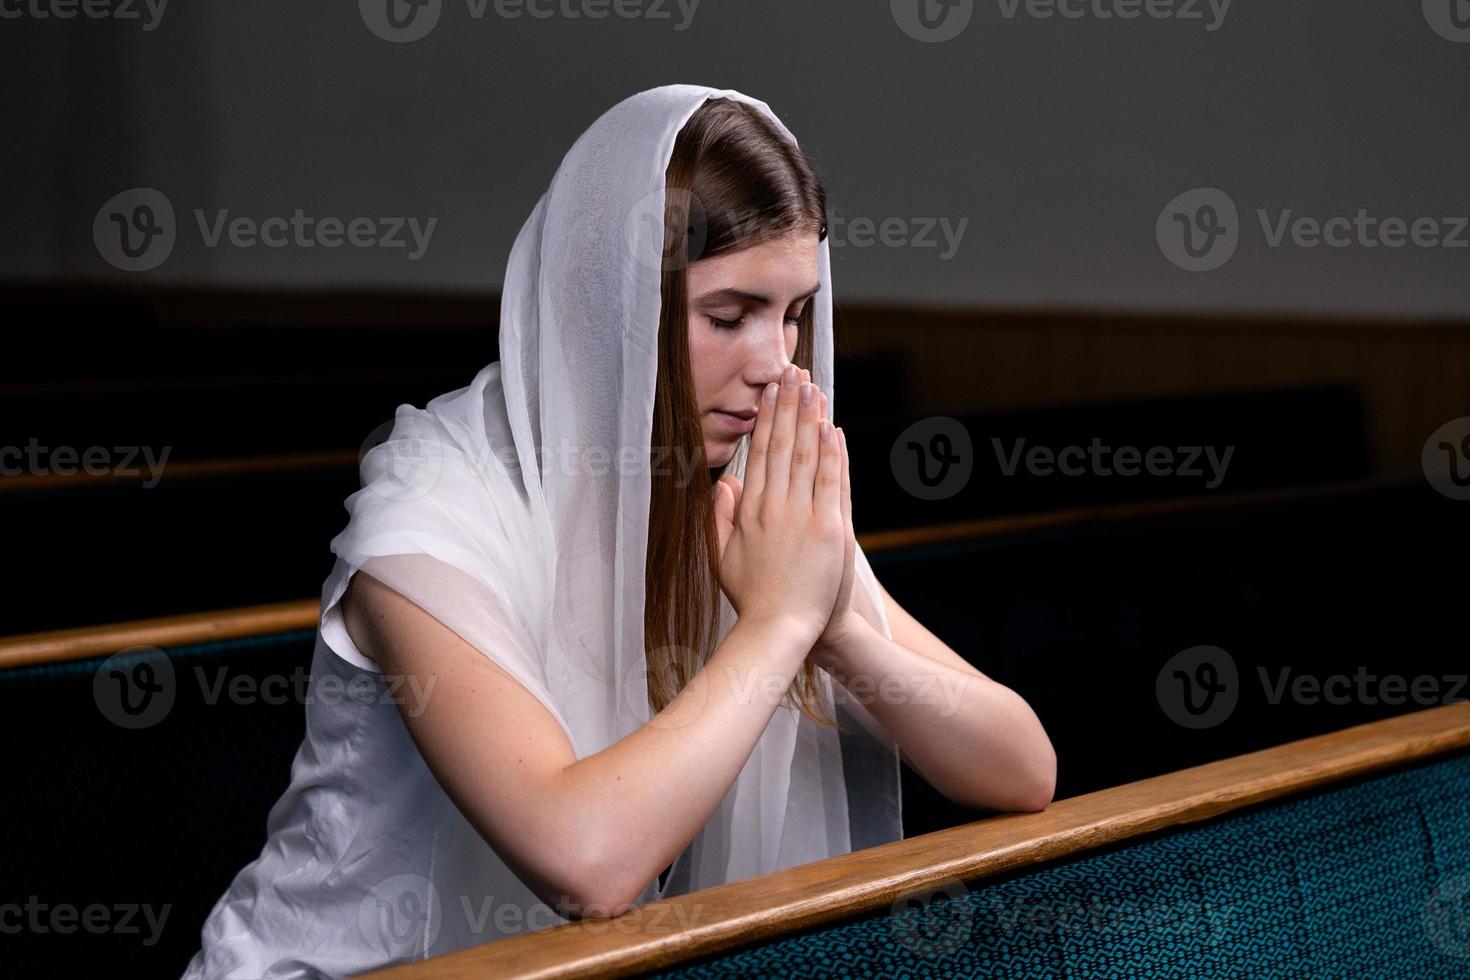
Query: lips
[[746, 414], [736, 424]]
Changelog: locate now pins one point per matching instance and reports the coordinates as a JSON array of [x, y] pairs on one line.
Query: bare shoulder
[[375, 614], [364, 596]]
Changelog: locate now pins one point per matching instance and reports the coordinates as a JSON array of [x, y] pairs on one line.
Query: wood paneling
[[1413, 376]]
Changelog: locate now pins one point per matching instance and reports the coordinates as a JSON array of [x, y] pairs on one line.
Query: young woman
[[612, 620]]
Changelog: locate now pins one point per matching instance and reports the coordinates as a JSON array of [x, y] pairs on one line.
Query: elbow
[[1038, 795], [601, 888], [1037, 789], [1029, 788]]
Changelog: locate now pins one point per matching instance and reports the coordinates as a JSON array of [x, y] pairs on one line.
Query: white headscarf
[[518, 506]]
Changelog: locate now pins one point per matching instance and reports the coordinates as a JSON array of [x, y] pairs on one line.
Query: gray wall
[[1058, 140]]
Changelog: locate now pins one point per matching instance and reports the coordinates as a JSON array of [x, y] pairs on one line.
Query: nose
[[771, 359]]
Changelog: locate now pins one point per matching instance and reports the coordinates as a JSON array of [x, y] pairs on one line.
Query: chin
[[717, 454]]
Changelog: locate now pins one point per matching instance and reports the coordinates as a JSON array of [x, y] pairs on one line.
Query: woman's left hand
[[839, 623]]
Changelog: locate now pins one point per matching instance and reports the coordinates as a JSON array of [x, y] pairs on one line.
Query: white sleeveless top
[[368, 861]]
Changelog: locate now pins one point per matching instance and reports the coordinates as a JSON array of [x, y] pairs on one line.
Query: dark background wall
[[1057, 141]]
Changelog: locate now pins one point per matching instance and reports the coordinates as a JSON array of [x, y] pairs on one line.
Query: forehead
[[787, 264]]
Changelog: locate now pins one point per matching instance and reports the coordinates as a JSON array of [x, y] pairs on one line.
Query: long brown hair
[[733, 181]]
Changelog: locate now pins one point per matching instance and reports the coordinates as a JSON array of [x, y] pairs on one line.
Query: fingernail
[[788, 377], [806, 393], [826, 431], [770, 393]]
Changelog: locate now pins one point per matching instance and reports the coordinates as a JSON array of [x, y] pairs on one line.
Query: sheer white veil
[[515, 509]]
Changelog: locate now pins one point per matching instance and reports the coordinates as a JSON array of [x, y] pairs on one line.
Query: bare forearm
[[976, 741], [651, 792]]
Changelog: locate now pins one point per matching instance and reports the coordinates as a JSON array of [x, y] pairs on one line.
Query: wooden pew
[[805, 901], [160, 782]]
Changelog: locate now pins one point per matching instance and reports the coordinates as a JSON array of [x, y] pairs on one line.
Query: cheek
[[707, 361]]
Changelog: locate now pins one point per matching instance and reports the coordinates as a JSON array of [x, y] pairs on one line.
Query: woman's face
[[743, 309]]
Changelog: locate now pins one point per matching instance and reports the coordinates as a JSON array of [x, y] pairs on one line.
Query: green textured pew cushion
[[147, 820], [1371, 879]]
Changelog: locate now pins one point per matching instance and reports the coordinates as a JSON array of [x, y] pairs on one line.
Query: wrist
[[831, 650], [788, 631]]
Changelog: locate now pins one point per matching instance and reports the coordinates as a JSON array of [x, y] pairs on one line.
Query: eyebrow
[[728, 294]]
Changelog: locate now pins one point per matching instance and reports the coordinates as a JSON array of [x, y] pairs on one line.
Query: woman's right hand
[[782, 534]]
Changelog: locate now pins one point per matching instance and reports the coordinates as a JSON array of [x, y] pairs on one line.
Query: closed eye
[[733, 324]]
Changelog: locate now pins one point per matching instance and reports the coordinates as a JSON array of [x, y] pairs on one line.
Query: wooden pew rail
[[662, 934]]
